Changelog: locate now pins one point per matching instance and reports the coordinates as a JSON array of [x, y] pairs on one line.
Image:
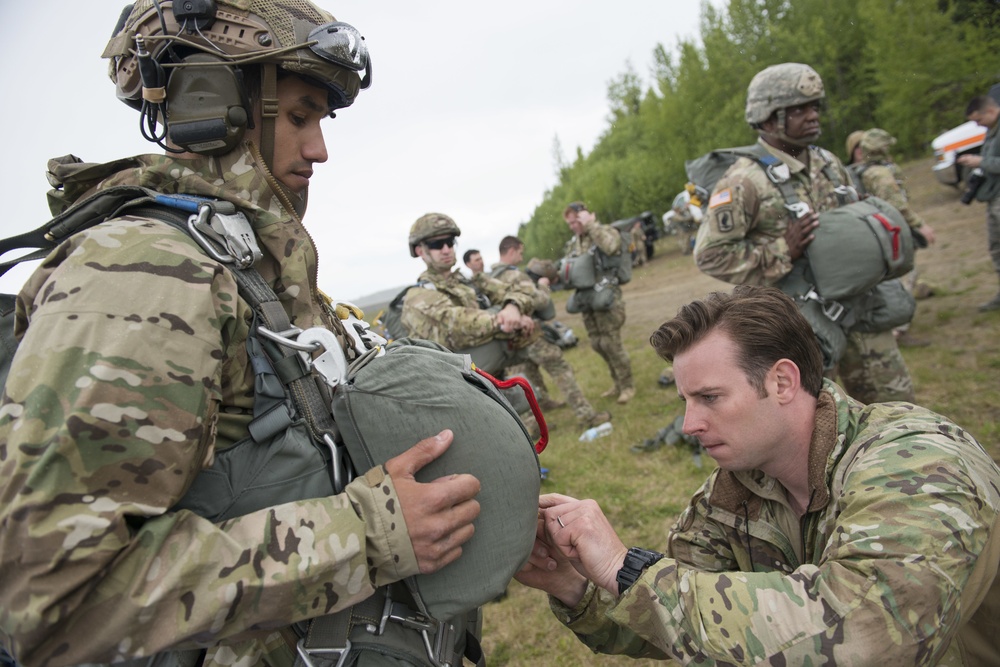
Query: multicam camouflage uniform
[[638, 245], [742, 241], [542, 353], [880, 177], [444, 308], [605, 327], [686, 227], [896, 557], [132, 374]]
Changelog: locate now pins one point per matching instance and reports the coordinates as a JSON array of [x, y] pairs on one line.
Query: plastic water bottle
[[596, 432]]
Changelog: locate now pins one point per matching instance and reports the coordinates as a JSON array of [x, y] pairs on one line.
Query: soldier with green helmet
[[876, 174], [832, 532], [751, 235], [136, 370], [448, 308]]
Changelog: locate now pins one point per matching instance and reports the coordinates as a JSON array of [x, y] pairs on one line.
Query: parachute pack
[[368, 410], [848, 276]]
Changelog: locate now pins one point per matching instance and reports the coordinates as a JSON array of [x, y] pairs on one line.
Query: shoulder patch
[[724, 220], [721, 197]]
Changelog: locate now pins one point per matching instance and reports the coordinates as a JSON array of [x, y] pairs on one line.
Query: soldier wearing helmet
[[750, 236], [853, 145], [462, 314], [138, 360], [875, 174]]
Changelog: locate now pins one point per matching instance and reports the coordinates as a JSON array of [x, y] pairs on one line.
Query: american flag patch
[[721, 197]]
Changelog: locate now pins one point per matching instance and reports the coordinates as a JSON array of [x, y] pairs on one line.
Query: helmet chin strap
[[268, 111], [782, 135]]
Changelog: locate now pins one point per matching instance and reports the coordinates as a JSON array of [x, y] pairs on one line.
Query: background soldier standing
[[603, 326], [750, 237], [542, 353]]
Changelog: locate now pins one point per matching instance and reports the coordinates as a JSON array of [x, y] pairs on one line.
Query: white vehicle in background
[[967, 138]]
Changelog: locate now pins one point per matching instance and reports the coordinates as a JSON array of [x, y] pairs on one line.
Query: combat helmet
[[428, 226], [875, 144], [779, 87], [184, 64], [853, 139]]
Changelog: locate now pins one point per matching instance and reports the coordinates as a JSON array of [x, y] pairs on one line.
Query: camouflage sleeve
[[732, 244], [605, 237], [888, 585], [108, 415], [429, 314], [882, 183], [521, 295], [540, 295]]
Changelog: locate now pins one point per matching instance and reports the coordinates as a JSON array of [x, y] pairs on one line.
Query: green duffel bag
[[858, 246], [413, 392]]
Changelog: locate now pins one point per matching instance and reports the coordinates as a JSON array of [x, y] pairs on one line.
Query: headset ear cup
[[205, 106]]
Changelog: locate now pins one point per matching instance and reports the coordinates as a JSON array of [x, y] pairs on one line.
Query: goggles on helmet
[[341, 44]]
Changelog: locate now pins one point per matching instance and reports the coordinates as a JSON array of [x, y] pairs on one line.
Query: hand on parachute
[[438, 514]]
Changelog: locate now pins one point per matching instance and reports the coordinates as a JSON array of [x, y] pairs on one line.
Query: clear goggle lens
[[342, 44]]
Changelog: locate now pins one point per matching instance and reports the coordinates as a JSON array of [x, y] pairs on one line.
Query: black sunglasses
[[437, 244]]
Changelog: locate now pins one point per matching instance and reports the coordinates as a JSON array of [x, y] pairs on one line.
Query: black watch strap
[[636, 560]]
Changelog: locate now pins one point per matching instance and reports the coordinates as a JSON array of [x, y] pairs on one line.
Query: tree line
[[908, 66]]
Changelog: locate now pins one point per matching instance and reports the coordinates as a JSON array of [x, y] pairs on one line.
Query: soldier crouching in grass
[[832, 532]]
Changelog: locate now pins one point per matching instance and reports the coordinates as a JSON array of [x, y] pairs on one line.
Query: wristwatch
[[636, 560]]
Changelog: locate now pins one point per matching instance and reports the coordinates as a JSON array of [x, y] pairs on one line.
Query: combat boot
[[549, 403], [598, 418], [626, 395], [610, 392]]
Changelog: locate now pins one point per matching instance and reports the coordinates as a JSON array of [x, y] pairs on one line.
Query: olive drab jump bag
[[367, 411]]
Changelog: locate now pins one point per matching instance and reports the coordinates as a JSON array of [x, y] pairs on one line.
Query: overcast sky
[[461, 117]]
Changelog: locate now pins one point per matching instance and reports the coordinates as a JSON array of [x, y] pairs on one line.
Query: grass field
[[957, 375]]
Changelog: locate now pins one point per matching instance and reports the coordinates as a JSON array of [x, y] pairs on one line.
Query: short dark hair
[[765, 324], [468, 254], [574, 207], [980, 103], [508, 243]]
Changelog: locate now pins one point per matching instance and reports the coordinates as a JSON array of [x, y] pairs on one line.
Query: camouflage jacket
[[445, 308], [883, 179], [132, 371], [895, 557], [741, 238], [511, 274], [604, 237]]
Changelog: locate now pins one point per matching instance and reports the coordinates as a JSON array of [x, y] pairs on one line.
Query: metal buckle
[[832, 309], [444, 633], [332, 364], [230, 231], [798, 209], [306, 653]]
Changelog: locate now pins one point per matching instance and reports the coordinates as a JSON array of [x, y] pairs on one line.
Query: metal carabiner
[[332, 363]]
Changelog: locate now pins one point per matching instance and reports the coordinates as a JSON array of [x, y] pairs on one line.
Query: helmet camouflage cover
[[853, 139], [428, 226], [779, 87], [875, 144], [279, 32], [543, 267]]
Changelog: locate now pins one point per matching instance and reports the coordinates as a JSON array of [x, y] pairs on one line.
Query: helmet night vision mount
[[183, 63]]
